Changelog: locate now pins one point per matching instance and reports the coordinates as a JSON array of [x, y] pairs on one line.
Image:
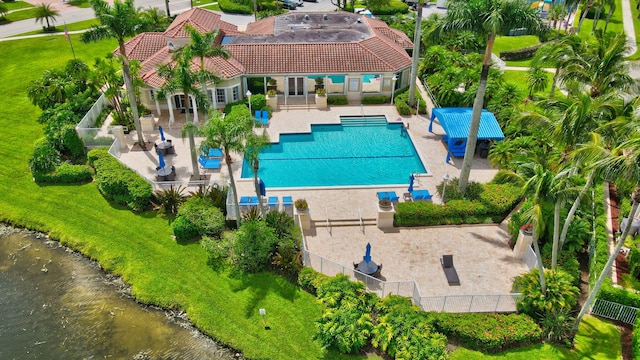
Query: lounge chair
[[287, 205], [244, 202], [388, 195], [273, 203], [258, 119], [209, 163], [378, 271], [254, 201], [214, 153], [449, 270], [265, 117], [421, 195]]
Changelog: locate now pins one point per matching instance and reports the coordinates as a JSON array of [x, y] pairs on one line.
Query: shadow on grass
[[258, 286]]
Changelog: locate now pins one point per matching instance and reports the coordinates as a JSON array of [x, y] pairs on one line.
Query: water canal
[[56, 304]]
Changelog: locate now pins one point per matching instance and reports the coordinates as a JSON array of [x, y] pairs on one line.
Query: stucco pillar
[[172, 119], [158, 111]]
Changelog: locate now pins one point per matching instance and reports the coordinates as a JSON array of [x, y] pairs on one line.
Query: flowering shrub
[[492, 206], [489, 332]]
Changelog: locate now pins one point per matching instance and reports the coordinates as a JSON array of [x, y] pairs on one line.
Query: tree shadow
[[258, 286]]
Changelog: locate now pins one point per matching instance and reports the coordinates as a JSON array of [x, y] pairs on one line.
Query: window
[[152, 95], [235, 93], [221, 96], [354, 85], [371, 83], [210, 94]]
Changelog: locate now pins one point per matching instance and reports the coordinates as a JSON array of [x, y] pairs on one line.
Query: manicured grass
[[214, 7], [80, 3], [80, 25], [28, 13], [519, 78], [17, 5], [507, 43], [139, 246], [596, 339]]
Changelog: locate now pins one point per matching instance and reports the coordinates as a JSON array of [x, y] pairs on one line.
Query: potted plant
[[272, 84], [319, 84], [321, 99], [385, 204], [301, 205], [527, 229]]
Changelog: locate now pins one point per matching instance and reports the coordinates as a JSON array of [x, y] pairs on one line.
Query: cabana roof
[[455, 122]]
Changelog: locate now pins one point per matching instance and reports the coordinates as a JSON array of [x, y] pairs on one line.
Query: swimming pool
[[360, 151]]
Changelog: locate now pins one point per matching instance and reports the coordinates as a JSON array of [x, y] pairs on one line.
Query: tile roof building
[[353, 55]]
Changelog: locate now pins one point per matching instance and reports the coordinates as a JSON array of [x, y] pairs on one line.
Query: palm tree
[[415, 55], [157, 21], [179, 77], [558, 54], [228, 134], [46, 13], [491, 17], [254, 144], [119, 22], [622, 163], [612, 7], [3, 10], [202, 46], [105, 76], [537, 80]]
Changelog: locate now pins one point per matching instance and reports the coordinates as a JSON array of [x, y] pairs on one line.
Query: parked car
[[288, 4], [299, 2]]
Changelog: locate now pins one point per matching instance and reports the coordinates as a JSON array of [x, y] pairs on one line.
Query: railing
[[428, 90], [530, 258], [326, 212], [89, 119], [361, 221], [614, 311]]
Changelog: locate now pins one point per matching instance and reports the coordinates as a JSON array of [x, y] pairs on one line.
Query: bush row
[[394, 7], [519, 54], [635, 341], [492, 206], [489, 332], [401, 101], [337, 100], [379, 99], [65, 174], [118, 183], [232, 7]]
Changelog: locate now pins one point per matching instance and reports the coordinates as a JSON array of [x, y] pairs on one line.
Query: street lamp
[[444, 185], [250, 112], [393, 86]]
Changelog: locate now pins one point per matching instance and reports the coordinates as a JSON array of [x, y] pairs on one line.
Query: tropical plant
[[288, 258], [252, 214], [208, 219], [229, 135], [157, 21], [253, 246], [490, 17], [254, 144], [281, 223], [106, 77], [179, 77], [558, 54], [119, 22], [301, 204], [536, 80], [168, 201], [44, 12]]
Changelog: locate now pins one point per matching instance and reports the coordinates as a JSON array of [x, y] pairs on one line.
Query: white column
[[214, 98], [171, 118], [195, 110], [155, 99]]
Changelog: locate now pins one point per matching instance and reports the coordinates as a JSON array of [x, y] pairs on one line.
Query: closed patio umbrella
[[161, 163], [161, 133], [263, 188], [411, 179], [367, 254]]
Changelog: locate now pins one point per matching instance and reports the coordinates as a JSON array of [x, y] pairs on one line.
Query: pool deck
[[484, 261]]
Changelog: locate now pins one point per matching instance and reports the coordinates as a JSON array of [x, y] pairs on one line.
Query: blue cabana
[[456, 121]]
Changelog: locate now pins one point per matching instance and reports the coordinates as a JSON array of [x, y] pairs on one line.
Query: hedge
[[392, 8], [378, 99], [635, 341], [118, 183], [495, 202], [489, 332], [229, 6], [337, 100], [65, 174], [520, 54], [401, 101]]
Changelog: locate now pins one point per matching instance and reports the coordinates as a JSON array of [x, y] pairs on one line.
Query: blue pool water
[[369, 78], [340, 155]]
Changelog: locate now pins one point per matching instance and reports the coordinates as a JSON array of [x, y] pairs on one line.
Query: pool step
[[363, 121]]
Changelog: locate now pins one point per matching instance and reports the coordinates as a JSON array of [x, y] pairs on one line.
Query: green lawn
[[519, 78], [596, 339], [17, 5], [505, 43], [214, 7], [80, 25], [139, 246], [28, 13]]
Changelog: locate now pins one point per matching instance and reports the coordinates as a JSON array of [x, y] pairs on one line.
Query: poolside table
[[368, 268]]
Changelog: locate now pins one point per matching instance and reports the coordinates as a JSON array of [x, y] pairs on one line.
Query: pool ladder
[[326, 211]]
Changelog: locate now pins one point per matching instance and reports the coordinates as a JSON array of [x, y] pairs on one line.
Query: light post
[[250, 112], [393, 86], [444, 185]]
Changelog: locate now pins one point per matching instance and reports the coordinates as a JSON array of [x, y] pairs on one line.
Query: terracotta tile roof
[[149, 67], [261, 27], [142, 46], [200, 19], [396, 36], [371, 55]]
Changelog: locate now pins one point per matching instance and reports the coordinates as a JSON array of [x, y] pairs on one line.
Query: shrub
[[281, 223], [207, 218], [489, 332], [66, 174], [401, 99], [560, 293], [519, 54], [635, 341], [258, 101], [634, 261], [233, 7], [288, 258], [492, 205], [184, 228], [393, 7], [219, 250], [301, 204], [310, 280], [118, 183], [253, 246], [567, 261], [45, 158], [380, 99], [168, 201], [337, 100]]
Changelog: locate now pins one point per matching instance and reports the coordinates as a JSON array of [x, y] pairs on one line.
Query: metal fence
[[530, 258], [89, 119], [409, 288], [614, 311], [90, 135]]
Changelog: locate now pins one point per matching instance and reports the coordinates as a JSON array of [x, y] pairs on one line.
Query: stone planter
[[303, 218], [384, 219], [321, 102], [525, 238], [147, 123], [272, 101]]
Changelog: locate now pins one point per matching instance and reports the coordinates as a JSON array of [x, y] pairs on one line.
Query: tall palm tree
[[179, 76], [622, 164], [44, 12], [202, 46], [490, 17], [536, 80], [228, 134], [415, 55], [253, 145], [119, 22], [558, 54]]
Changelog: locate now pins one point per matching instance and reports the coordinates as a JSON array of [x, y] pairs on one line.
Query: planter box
[[524, 239], [321, 102], [303, 218], [147, 124], [384, 219], [272, 101]]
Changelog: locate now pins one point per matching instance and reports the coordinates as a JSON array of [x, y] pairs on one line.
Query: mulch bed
[[147, 146]]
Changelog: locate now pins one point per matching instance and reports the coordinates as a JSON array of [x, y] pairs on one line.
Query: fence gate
[[614, 311]]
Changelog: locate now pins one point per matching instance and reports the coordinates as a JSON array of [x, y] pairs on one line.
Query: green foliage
[[310, 279], [618, 295], [216, 195], [281, 223], [168, 201], [207, 218], [380, 99], [519, 54], [253, 246], [219, 250], [401, 101], [634, 261], [557, 325], [392, 7], [635, 341], [337, 100], [118, 183], [493, 204], [184, 228], [560, 293], [473, 192], [258, 101], [288, 258], [567, 261], [233, 7], [66, 173], [489, 332], [68, 143], [45, 158]]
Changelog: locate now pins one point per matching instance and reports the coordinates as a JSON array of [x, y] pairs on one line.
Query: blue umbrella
[[263, 188], [161, 163], [367, 255], [161, 133], [411, 178]]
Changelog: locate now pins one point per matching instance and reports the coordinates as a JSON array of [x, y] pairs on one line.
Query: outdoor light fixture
[[393, 86], [249, 96]]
